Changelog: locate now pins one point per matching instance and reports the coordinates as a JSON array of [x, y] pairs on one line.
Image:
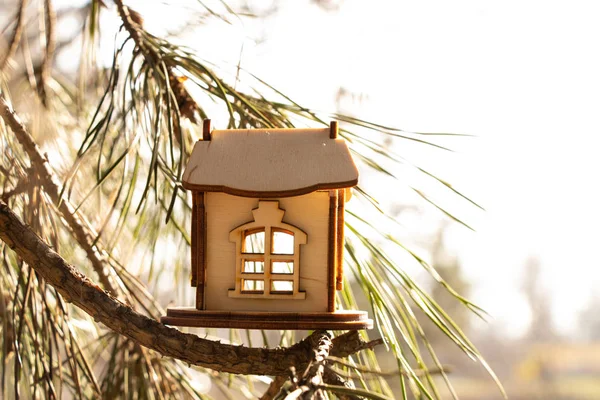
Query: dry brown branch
[[21, 187], [16, 36], [274, 388], [46, 67], [51, 184], [85, 294], [331, 378], [307, 386], [133, 24]]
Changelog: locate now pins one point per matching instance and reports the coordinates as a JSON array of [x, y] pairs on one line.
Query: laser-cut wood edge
[[333, 130], [270, 195], [199, 247], [339, 276], [194, 246], [266, 218], [206, 130], [331, 250], [342, 320]]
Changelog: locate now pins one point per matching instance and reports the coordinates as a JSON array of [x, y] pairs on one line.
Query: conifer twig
[[16, 36], [50, 36], [81, 230], [274, 388]]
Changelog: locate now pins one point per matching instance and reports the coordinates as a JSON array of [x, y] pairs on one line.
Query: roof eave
[[269, 194]]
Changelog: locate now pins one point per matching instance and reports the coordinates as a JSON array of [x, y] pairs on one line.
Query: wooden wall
[[308, 212]]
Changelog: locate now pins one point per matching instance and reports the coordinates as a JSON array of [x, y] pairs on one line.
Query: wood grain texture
[[339, 275], [206, 136], [199, 235], [268, 216], [194, 244], [333, 130], [265, 324], [271, 194], [331, 250], [270, 163], [308, 213], [343, 320], [118, 316]]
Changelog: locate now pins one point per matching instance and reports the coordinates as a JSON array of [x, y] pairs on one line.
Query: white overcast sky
[[523, 76]]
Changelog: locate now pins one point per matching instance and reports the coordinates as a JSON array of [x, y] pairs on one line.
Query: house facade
[[267, 227]]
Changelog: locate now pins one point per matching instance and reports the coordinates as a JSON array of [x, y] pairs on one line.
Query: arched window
[[267, 255]]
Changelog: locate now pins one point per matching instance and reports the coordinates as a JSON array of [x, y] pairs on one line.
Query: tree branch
[[49, 27], [51, 185], [274, 388], [330, 377], [313, 376], [134, 25], [16, 36], [85, 294]]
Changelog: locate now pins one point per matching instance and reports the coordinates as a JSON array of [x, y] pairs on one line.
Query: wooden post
[[199, 247], [206, 129], [339, 276], [331, 252], [194, 246], [333, 130]]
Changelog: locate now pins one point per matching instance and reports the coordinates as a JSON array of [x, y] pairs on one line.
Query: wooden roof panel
[[270, 163]]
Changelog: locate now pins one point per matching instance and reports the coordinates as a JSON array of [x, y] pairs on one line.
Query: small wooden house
[[267, 229]]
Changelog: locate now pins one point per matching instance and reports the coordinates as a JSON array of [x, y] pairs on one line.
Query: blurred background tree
[[541, 327]]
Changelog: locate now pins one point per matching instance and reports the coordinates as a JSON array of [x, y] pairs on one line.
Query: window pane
[[283, 242], [254, 242], [282, 267], [282, 286], [253, 285], [254, 267]]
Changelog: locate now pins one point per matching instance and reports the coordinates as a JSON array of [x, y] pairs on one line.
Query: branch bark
[[313, 377], [85, 294], [331, 378]]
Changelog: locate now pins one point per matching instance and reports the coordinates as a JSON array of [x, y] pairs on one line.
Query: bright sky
[[523, 76]]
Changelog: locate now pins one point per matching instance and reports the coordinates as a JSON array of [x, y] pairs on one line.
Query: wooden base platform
[[340, 320]]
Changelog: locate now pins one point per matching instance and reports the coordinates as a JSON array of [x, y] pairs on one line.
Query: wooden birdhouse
[[268, 229]]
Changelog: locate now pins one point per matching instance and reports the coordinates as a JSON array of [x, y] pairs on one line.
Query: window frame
[[268, 218]]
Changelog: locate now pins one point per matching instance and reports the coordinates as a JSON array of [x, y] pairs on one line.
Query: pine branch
[[274, 388], [330, 377], [133, 24], [16, 36], [309, 382], [51, 184], [46, 67], [85, 294]]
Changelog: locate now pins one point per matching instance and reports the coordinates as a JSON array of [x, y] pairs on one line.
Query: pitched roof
[[270, 163]]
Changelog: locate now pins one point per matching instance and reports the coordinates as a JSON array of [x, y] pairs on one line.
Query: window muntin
[[268, 255], [253, 267], [253, 285], [253, 260]]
